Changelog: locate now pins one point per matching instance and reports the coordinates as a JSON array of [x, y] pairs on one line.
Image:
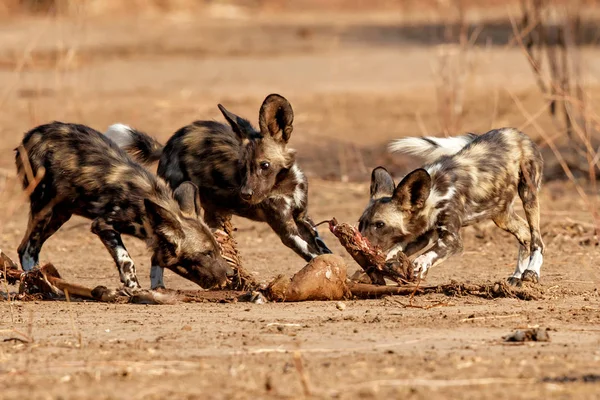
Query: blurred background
[[357, 73]]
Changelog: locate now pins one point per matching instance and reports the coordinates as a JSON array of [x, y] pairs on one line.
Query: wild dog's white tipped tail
[[431, 148], [121, 134], [142, 147]]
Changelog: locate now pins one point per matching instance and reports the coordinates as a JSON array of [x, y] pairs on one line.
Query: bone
[[242, 279], [371, 258]]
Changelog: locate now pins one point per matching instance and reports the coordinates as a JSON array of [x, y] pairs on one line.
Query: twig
[[302, 373]]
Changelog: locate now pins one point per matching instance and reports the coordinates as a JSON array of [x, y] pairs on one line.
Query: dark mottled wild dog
[[85, 173], [467, 179], [239, 170]]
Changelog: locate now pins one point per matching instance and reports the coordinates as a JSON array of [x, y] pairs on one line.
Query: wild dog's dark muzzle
[[246, 194]]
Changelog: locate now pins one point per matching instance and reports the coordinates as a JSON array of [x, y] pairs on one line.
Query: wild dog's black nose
[[246, 194]]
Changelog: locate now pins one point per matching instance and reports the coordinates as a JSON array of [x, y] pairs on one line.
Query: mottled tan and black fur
[[84, 173], [239, 170], [467, 179]]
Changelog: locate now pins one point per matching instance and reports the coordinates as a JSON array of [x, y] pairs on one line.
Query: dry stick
[[302, 373], [28, 339], [554, 88], [412, 295], [490, 317], [557, 154], [591, 204]]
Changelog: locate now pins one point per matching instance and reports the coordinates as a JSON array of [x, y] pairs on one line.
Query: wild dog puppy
[[85, 173], [238, 169], [467, 179]]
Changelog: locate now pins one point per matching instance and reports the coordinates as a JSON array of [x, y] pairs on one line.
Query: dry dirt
[[354, 84]]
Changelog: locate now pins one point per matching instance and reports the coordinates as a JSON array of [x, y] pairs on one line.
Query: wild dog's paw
[[128, 276], [422, 264], [514, 281], [132, 283], [530, 276], [323, 249]]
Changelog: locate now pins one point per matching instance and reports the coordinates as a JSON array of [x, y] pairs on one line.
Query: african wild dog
[[239, 170], [467, 179], [84, 173]]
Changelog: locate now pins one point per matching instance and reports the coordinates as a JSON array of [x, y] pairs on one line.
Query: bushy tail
[[139, 145], [431, 148]]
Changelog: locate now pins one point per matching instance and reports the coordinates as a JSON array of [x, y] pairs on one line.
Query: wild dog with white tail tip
[[239, 170], [467, 179], [80, 171]]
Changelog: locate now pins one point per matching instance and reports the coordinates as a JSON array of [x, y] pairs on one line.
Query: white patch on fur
[[299, 195], [423, 263], [122, 254], [433, 200], [522, 263], [120, 134], [156, 277], [535, 262], [298, 174], [27, 261], [429, 152], [394, 250], [475, 216], [123, 258], [302, 245], [393, 219], [433, 169], [286, 199]]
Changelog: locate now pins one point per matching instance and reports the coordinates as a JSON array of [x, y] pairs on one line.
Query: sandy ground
[[354, 84]]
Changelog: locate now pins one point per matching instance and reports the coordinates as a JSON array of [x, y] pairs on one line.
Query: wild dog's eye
[[210, 254], [265, 165], [379, 224]]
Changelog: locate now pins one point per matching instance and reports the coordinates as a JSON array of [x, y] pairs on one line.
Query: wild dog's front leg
[[415, 246], [448, 243], [113, 243], [310, 234], [284, 225]]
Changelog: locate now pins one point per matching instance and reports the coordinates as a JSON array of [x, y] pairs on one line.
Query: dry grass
[[562, 86]]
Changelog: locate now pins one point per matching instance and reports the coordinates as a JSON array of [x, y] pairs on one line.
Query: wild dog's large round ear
[[241, 126], [163, 222], [382, 183], [188, 196], [276, 118], [413, 190]]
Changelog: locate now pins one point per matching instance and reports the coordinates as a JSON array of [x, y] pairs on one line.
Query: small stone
[[340, 306]]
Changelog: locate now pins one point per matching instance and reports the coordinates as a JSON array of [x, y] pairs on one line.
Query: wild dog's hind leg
[[113, 243], [528, 192], [513, 223], [42, 224], [156, 275]]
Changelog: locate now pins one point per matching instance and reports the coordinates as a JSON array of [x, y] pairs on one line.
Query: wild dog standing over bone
[[82, 172], [467, 179], [239, 170]]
